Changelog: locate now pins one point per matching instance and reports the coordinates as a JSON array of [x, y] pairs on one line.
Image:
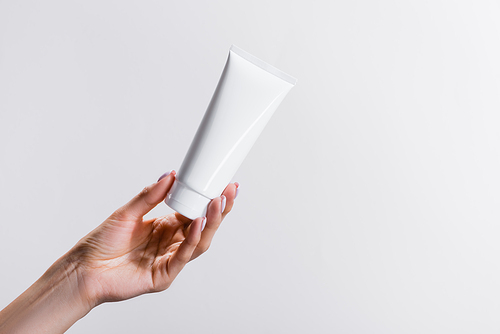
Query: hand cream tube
[[248, 93]]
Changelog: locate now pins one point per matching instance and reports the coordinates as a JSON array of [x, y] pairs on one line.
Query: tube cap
[[186, 201]]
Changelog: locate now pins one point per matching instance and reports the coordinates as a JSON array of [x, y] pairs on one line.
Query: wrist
[[68, 274], [51, 305]]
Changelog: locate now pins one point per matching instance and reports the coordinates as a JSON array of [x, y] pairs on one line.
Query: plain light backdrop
[[370, 204]]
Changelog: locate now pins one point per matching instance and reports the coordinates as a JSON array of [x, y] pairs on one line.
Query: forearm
[[51, 305]]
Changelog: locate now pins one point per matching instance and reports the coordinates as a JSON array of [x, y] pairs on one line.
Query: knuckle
[[184, 258], [160, 221], [145, 191], [204, 248], [143, 195], [190, 244]]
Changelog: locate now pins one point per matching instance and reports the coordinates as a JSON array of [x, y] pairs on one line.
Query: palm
[[130, 258], [127, 256]]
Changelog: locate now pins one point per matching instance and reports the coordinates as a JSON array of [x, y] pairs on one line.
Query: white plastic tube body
[[248, 93]]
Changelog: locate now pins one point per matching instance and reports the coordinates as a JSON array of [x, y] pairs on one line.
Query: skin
[[124, 257]]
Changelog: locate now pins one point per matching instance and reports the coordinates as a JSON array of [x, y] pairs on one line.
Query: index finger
[[149, 197]]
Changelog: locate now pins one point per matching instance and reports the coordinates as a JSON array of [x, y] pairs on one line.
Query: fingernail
[[223, 203], [164, 175], [237, 189], [203, 223]]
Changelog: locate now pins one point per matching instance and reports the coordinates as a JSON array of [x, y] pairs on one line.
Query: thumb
[[149, 197]]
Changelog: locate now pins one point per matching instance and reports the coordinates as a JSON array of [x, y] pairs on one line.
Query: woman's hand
[[123, 257], [127, 255]]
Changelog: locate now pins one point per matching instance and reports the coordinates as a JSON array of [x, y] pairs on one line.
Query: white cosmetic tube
[[248, 93]]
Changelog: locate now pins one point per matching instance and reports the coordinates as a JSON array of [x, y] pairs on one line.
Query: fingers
[[230, 192], [149, 197], [185, 251], [217, 209], [214, 219]]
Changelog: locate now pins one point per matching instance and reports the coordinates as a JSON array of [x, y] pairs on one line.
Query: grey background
[[370, 204]]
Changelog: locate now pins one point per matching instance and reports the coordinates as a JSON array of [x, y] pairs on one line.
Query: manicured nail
[[237, 189], [223, 203], [164, 175], [203, 223]]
